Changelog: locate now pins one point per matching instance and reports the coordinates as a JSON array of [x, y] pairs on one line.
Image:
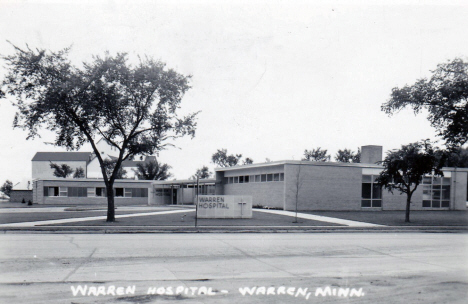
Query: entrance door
[[174, 196]]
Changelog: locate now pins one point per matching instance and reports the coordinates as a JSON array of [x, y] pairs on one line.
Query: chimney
[[371, 154]]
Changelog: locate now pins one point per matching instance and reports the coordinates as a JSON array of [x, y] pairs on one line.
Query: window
[[281, 177], [101, 192], [63, 191], [77, 191], [258, 178], [119, 192], [236, 179], [276, 177], [51, 191], [128, 192], [241, 179], [436, 192], [246, 179], [371, 192], [269, 177]]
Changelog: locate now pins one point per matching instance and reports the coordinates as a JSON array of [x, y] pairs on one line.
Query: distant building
[[85, 160]]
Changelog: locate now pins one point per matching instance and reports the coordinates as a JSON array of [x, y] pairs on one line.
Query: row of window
[[436, 192], [260, 178], [94, 192]]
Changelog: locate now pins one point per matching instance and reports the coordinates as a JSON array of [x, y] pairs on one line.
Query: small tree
[[7, 187], [202, 173], [247, 161], [79, 173], [316, 155], [222, 159], [152, 170], [405, 168], [348, 156], [297, 188], [62, 170]]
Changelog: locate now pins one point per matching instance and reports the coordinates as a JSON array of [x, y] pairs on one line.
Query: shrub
[[23, 201], [29, 203]]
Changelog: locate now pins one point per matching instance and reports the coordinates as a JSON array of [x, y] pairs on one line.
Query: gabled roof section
[[62, 156]]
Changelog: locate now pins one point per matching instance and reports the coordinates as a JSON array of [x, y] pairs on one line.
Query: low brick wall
[[18, 195]]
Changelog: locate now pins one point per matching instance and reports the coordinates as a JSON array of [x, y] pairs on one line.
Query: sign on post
[[224, 206]]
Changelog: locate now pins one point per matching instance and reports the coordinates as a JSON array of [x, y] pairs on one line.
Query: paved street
[[220, 268]]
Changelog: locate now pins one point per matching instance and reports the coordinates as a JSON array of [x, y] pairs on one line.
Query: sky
[[270, 78]]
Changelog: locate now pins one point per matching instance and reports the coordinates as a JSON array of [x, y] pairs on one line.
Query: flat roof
[[298, 162], [316, 163], [156, 182]]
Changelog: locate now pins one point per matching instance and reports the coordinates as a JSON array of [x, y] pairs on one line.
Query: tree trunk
[[110, 203], [408, 202]]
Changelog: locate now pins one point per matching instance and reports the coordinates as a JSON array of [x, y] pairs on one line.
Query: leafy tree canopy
[[348, 156], [457, 157], [109, 167], [444, 95], [152, 170], [405, 168], [202, 173], [62, 170], [7, 187], [134, 107], [316, 155], [79, 173], [222, 159]]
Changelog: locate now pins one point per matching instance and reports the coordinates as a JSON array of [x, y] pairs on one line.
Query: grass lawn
[[6, 218], [258, 219], [397, 218]]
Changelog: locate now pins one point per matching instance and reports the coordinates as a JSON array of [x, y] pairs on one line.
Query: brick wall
[[323, 187], [19, 195]]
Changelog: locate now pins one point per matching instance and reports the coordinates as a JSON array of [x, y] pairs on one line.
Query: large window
[[77, 192], [51, 191], [436, 192], [371, 192], [101, 192], [119, 192]]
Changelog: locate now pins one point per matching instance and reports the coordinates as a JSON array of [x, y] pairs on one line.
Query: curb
[[211, 229]]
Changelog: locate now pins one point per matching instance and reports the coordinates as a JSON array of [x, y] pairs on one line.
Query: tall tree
[[7, 187], [62, 170], [79, 173], [444, 95], [222, 159], [134, 107], [152, 170], [202, 173], [457, 157], [405, 168], [348, 156], [316, 155]]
